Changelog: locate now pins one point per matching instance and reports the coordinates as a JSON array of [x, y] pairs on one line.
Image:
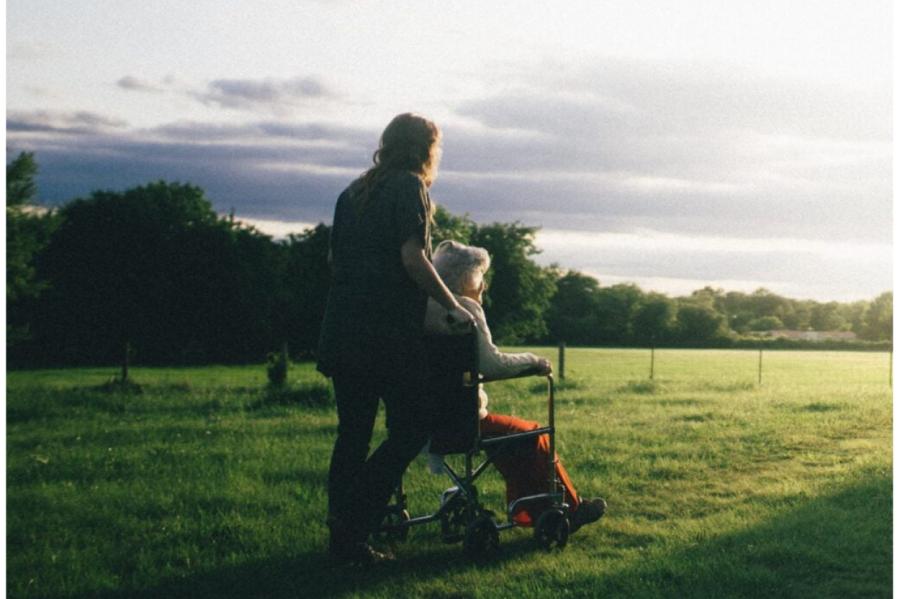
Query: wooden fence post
[[126, 350], [562, 360], [759, 376]]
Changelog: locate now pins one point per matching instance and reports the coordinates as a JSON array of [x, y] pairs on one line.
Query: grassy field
[[205, 484]]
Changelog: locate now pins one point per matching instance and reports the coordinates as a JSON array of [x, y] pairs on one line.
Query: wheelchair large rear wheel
[[552, 529], [482, 537]]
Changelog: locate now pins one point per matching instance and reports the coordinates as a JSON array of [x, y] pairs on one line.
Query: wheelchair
[[453, 386]]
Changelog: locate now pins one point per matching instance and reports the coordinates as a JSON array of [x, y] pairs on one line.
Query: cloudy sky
[[677, 144]]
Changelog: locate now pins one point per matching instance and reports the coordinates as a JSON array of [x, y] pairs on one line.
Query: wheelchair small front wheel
[[482, 537], [392, 526], [453, 519], [552, 529]]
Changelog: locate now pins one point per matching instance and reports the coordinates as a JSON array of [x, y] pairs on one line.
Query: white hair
[[460, 266]]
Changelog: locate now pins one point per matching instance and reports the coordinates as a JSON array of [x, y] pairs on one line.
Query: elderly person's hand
[[544, 366]]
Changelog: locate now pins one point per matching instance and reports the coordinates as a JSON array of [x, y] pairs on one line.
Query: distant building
[[812, 335]]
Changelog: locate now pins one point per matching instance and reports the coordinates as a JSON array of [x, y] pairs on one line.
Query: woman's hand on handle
[[421, 270]]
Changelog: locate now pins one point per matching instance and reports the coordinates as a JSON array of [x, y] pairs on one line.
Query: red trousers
[[525, 466]]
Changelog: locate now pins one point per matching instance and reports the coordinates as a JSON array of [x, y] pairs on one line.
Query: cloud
[[663, 99], [278, 229], [131, 83], [271, 94], [278, 96], [678, 147], [264, 170], [740, 177], [28, 50], [677, 264], [80, 122], [323, 135]]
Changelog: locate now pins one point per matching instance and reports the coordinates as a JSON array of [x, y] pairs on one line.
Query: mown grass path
[[206, 485]]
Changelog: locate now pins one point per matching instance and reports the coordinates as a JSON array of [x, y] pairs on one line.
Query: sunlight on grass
[[210, 484]]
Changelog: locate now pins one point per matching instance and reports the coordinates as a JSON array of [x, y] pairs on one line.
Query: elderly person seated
[[463, 268]]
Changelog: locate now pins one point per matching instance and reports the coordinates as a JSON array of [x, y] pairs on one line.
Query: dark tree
[[449, 226], [155, 267], [28, 228], [305, 288]]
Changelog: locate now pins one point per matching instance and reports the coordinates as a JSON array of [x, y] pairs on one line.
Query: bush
[[277, 368]]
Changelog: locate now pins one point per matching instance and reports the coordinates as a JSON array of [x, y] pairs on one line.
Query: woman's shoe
[[345, 547], [361, 554], [588, 511]]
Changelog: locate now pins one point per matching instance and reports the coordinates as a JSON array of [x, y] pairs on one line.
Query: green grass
[[204, 484]]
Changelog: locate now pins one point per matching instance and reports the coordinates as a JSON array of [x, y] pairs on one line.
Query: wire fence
[[759, 367]]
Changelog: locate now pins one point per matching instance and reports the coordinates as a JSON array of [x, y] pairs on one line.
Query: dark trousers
[[359, 485]]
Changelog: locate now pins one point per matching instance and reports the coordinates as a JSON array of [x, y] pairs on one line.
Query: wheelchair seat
[[453, 392]]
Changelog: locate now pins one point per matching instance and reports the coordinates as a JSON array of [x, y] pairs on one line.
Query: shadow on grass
[[310, 395], [820, 406], [540, 387], [315, 575], [837, 545], [111, 398], [642, 388]]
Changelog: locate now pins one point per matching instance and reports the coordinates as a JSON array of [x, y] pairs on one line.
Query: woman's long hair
[[411, 143]]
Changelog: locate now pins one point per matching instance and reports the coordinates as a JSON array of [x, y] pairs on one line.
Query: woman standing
[[371, 343]]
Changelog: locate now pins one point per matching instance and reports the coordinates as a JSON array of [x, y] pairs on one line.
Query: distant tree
[[740, 322], [854, 314], [879, 318], [710, 297], [616, 309], [827, 317], [766, 323], [519, 290], [763, 302], [699, 324], [734, 302], [734, 307], [654, 320], [798, 315], [572, 316]]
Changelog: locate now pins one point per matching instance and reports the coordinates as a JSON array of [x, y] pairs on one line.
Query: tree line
[[156, 273]]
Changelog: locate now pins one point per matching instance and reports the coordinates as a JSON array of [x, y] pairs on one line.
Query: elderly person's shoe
[[588, 511]]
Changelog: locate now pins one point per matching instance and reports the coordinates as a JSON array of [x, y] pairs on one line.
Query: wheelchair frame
[[461, 514]]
